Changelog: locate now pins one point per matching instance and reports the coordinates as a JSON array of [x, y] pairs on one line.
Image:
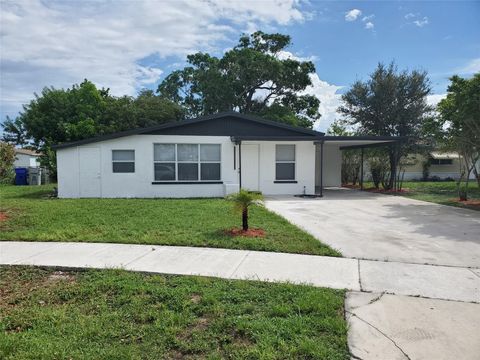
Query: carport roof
[[362, 141]]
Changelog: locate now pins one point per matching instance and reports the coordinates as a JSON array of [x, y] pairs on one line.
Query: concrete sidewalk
[[438, 282]]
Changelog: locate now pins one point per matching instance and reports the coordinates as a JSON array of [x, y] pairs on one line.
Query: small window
[[441, 161], [285, 162], [123, 161]]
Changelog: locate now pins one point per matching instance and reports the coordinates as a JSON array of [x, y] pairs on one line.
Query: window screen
[[123, 161], [187, 162], [285, 162]]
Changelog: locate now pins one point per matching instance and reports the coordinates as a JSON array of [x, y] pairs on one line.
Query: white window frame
[[294, 162], [124, 161], [198, 162]]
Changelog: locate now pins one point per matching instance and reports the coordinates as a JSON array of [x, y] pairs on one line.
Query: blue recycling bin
[[21, 176]]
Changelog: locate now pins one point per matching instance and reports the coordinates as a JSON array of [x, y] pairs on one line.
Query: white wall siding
[[304, 168], [68, 173], [332, 165], [24, 160], [139, 184]]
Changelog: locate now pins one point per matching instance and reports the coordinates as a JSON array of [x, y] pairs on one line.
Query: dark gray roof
[[231, 124]]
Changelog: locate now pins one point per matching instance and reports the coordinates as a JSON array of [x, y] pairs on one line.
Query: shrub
[[7, 159]]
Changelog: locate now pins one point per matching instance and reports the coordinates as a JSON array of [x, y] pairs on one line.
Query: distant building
[[441, 165], [27, 158]]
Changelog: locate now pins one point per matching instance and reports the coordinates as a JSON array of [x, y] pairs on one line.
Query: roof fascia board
[[184, 123]]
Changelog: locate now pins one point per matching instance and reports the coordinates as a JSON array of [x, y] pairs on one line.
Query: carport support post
[[321, 168], [361, 170]]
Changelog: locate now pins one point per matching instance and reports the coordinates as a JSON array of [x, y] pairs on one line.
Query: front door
[[90, 182], [250, 167]]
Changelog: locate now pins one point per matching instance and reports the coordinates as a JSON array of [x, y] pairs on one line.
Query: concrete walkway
[[437, 282]]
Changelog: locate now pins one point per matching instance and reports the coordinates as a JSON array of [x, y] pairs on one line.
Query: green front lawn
[[113, 314], [444, 192], [440, 192], [32, 215]]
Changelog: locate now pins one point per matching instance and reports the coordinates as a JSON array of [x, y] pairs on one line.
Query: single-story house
[[210, 156], [25, 158], [441, 165]]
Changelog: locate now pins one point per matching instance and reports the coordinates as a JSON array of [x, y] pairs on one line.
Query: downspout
[[239, 142]]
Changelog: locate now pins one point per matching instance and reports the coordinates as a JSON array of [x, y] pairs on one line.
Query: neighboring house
[[209, 156], [442, 165], [25, 158]]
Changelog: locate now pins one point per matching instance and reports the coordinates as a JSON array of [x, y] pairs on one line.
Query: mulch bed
[[248, 233], [468, 203], [375, 190]]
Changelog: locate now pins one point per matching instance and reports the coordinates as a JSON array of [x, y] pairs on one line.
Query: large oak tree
[[61, 115], [253, 77]]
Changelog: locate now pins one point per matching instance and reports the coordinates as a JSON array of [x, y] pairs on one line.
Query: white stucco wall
[[24, 160], [332, 165], [139, 183], [304, 168]]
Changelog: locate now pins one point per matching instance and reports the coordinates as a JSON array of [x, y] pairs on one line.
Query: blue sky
[[129, 45]]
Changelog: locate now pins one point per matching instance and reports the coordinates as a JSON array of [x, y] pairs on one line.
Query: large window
[[285, 162], [187, 162], [123, 161]]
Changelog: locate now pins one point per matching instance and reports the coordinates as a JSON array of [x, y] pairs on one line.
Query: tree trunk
[[245, 219], [393, 165]]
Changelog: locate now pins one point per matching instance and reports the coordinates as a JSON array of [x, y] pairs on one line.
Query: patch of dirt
[[61, 276], [241, 339], [3, 216], [248, 233], [195, 298], [200, 325], [13, 293]]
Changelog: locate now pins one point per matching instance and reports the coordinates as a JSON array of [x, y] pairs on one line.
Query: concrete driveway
[[393, 228], [390, 228]]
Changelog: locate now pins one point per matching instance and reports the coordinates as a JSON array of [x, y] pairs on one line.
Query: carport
[[349, 143]]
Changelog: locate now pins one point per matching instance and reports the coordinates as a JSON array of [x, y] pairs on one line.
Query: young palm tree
[[242, 201]]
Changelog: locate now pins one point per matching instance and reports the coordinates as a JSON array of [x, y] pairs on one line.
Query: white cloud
[[352, 15], [325, 92], [369, 25], [51, 43], [422, 22], [434, 99], [368, 18], [472, 67], [330, 100]]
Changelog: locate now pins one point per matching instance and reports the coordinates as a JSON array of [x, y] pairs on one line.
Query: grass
[[113, 314], [32, 215], [440, 192]]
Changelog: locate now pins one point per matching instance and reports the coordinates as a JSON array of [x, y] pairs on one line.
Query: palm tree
[[242, 201]]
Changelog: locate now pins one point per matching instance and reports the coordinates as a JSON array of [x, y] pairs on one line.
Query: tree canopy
[[253, 77], [390, 103], [458, 123], [61, 115]]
